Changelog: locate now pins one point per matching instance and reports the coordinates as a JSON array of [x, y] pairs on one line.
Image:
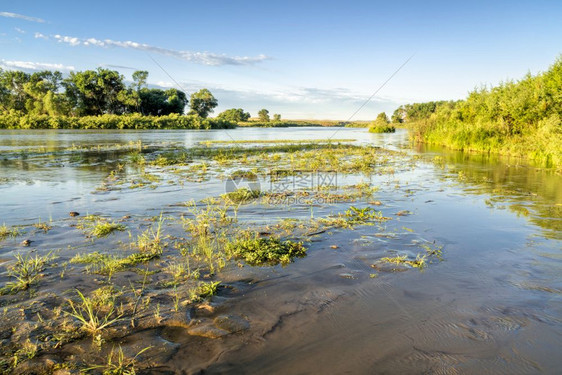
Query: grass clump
[[6, 231], [118, 364], [27, 271], [203, 290], [94, 313], [99, 227], [241, 195], [265, 251]]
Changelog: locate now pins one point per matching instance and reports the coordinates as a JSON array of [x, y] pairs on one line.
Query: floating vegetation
[[242, 195], [96, 226], [6, 231], [265, 251]]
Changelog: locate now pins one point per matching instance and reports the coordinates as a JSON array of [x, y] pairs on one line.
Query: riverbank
[[517, 118]]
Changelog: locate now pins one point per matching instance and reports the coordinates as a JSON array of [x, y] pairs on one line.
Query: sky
[[301, 59]]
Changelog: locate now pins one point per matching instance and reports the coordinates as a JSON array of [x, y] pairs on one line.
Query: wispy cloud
[[118, 66], [21, 17], [30, 65], [19, 30], [205, 58]]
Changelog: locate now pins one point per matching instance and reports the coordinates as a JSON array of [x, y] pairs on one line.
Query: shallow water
[[492, 305]]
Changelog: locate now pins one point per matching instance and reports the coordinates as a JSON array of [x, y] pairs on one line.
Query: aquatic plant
[[258, 251]]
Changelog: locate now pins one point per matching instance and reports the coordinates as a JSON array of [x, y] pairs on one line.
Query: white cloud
[[19, 30], [205, 58], [29, 65], [41, 36], [21, 16]]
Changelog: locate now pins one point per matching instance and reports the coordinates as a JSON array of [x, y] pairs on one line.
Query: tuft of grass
[[93, 315], [117, 364], [27, 271], [6, 231], [203, 290], [265, 251], [99, 227]]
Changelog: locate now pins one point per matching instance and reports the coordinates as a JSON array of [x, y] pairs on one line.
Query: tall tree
[[264, 115], [203, 103], [234, 115]]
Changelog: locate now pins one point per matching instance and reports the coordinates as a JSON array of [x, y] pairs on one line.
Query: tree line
[[94, 93]]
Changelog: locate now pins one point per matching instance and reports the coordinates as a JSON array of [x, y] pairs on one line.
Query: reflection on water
[[494, 305]]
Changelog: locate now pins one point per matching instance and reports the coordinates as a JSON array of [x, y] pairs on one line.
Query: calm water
[[493, 305]]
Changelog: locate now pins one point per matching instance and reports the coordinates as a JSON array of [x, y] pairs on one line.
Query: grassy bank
[[517, 118], [15, 120], [290, 123]]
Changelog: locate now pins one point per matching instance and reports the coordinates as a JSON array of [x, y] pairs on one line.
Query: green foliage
[[381, 124], [93, 313], [27, 271], [265, 251], [515, 118], [276, 117], [203, 103], [18, 120], [263, 115], [241, 195], [234, 114]]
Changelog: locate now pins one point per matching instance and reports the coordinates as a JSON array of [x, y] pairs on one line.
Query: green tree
[[203, 103], [263, 114], [276, 117], [157, 102], [139, 79], [96, 92], [234, 115]]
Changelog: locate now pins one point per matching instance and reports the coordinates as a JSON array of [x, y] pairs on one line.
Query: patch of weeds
[[105, 264], [203, 290], [356, 215], [6, 231], [27, 271], [117, 364], [242, 195], [99, 227], [150, 241], [94, 313], [43, 226], [420, 261], [265, 251]]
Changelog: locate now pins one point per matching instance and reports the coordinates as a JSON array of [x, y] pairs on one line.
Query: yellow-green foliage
[[18, 120], [515, 118], [265, 251]]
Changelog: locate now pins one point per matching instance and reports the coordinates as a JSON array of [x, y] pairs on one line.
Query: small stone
[[26, 243], [376, 203], [334, 246], [231, 323], [74, 213], [403, 213]]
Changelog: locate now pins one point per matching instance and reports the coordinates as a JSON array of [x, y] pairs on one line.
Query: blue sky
[[302, 59]]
